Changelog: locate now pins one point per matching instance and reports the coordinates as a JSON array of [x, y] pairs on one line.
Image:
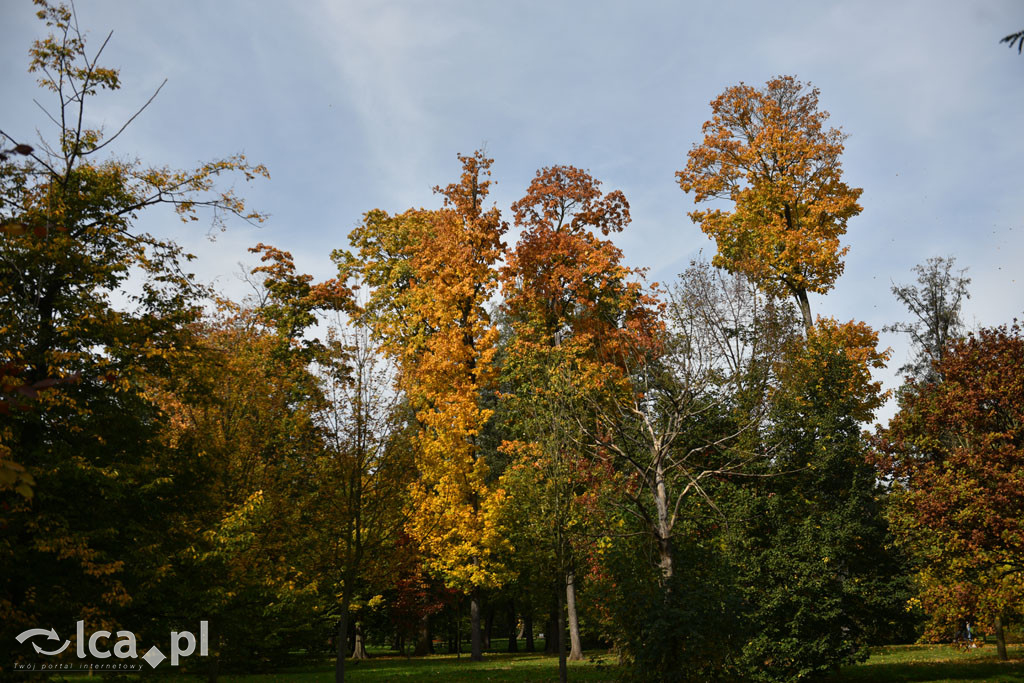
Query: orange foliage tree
[[431, 274], [573, 309], [768, 152]]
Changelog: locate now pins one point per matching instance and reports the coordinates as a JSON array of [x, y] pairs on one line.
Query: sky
[[355, 105]]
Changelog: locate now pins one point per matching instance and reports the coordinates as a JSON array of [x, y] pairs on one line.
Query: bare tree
[[935, 302], [696, 408]]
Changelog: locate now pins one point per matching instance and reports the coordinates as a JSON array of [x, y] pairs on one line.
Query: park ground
[[910, 663]]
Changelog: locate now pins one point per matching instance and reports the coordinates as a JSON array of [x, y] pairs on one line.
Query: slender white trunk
[[664, 530]]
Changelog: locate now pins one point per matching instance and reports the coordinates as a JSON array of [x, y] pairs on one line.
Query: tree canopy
[[768, 152]]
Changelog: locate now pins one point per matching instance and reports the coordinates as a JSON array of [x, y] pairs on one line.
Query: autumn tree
[[15, 390], [767, 151], [241, 429], [572, 307], [303, 468], [935, 303], [430, 276], [289, 302], [361, 481], [67, 245], [355, 480], [955, 452]]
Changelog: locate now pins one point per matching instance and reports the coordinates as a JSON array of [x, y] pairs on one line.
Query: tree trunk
[[450, 636], [513, 644], [359, 651], [576, 654], [477, 654], [342, 640], [1000, 639], [663, 532], [551, 629], [563, 673], [528, 629], [424, 644], [665, 560], [805, 308], [488, 625]]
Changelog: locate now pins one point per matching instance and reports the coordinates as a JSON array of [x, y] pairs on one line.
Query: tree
[[241, 432], [14, 390], [956, 452], [431, 274], [689, 424], [361, 481], [767, 151], [288, 302], [572, 308], [936, 305], [563, 282], [90, 440], [356, 480], [812, 549]]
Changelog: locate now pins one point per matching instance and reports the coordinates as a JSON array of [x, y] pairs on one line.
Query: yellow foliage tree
[[431, 274]]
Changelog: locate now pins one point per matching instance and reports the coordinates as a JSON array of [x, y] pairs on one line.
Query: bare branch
[[129, 121]]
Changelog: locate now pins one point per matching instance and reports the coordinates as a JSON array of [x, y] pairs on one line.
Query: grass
[[495, 667], [911, 663], [513, 668], [936, 664]]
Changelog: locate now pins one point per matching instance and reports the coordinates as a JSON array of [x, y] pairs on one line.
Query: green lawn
[[599, 666], [936, 664], [915, 663]]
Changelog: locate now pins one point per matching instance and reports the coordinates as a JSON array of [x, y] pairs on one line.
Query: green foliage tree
[[690, 424], [812, 550], [359, 500], [90, 436]]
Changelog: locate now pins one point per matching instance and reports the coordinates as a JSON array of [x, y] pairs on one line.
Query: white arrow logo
[[50, 635]]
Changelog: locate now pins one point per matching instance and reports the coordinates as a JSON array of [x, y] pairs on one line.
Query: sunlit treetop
[[562, 279], [768, 152]]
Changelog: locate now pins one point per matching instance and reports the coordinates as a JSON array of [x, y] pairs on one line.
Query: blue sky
[[358, 105]]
